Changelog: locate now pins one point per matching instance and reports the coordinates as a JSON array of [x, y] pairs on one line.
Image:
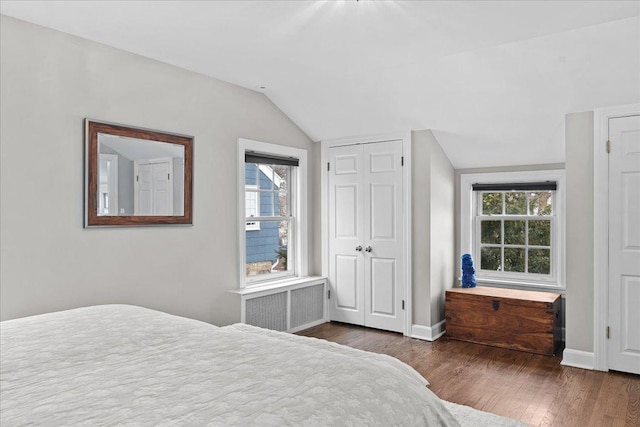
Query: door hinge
[[608, 332], [328, 166], [402, 161], [608, 146], [328, 293], [403, 304], [168, 177], [137, 177]]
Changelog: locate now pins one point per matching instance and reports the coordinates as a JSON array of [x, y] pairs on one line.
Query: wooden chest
[[509, 318]]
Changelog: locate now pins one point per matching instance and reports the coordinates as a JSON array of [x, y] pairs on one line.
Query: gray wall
[[432, 227], [49, 82], [580, 233]]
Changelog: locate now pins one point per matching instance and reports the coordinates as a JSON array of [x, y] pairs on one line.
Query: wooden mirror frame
[[92, 219]]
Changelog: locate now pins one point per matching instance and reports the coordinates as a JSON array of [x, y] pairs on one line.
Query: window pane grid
[[524, 223], [514, 203], [518, 252]]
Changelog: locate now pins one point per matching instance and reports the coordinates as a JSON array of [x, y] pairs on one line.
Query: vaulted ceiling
[[492, 79]]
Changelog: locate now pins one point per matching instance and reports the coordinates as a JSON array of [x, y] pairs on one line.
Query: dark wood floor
[[531, 388]]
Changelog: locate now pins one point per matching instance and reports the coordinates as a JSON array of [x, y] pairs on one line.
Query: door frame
[[601, 118], [406, 200]]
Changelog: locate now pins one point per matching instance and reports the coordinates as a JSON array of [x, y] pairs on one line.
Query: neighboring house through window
[[251, 207], [513, 226], [272, 239]]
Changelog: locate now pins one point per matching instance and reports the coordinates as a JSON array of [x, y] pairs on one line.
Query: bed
[[127, 365]]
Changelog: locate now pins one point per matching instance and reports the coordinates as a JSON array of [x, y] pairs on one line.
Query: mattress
[[127, 365]]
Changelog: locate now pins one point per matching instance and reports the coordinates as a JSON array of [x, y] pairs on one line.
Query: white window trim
[[298, 190], [467, 222]]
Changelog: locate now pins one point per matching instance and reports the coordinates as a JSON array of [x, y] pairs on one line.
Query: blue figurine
[[468, 278]]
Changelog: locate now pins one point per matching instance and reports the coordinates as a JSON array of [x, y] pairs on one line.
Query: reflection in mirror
[[108, 185], [136, 176], [140, 177]]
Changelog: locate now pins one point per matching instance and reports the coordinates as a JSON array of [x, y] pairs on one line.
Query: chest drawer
[[508, 318]]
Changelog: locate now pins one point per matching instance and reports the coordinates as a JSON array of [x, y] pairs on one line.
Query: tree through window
[[514, 231]]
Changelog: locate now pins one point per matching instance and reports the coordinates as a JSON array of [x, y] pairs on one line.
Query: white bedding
[[118, 364]]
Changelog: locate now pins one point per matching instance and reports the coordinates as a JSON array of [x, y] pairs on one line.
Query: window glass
[[515, 203], [540, 203], [540, 261], [269, 220], [490, 259], [514, 259], [515, 245], [514, 233], [540, 233], [491, 232], [492, 203], [267, 251]]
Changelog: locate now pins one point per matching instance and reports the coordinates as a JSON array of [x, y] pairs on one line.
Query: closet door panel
[[346, 231], [346, 289], [383, 236], [382, 212], [383, 286]]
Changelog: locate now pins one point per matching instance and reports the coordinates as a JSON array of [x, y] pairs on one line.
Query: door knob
[[358, 248], [368, 249]]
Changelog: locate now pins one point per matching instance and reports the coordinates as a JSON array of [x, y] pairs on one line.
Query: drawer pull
[[496, 305]]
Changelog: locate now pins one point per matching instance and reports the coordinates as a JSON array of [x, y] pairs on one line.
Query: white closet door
[[144, 200], [162, 203], [366, 265], [346, 235], [153, 188], [383, 239], [624, 244]]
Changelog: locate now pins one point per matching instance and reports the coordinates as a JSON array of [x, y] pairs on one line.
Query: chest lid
[[515, 296]]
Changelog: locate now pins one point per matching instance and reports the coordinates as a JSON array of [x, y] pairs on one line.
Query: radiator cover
[[289, 309]]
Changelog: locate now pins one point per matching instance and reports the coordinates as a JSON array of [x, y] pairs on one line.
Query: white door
[[144, 193], [162, 203], [154, 188], [384, 266], [624, 245], [346, 234], [366, 266]]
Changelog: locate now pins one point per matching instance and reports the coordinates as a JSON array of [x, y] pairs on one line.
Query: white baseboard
[[428, 333], [307, 326], [578, 359]]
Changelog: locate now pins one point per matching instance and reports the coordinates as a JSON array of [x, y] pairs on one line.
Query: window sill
[[281, 284], [518, 284]]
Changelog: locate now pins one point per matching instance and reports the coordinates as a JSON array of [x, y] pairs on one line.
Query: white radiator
[[297, 306]]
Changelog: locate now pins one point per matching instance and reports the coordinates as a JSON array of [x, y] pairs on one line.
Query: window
[[514, 227], [251, 207], [273, 237]]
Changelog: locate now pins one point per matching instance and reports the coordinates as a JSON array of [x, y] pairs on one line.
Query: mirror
[[136, 176]]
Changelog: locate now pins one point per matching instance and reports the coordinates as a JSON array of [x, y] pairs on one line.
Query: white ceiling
[[493, 80]]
